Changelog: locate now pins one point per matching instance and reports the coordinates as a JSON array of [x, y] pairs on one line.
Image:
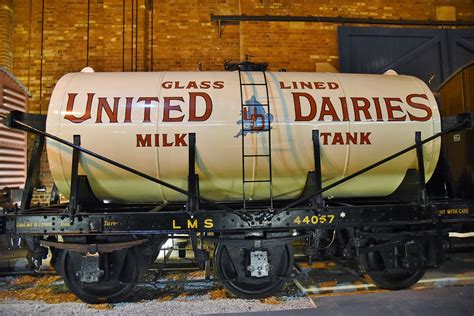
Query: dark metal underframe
[[123, 223]]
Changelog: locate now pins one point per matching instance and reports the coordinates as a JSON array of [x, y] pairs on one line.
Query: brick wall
[[6, 34], [184, 38]]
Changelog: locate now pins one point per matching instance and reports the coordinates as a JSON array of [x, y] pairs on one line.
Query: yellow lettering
[[175, 226], [192, 223], [322, 219], [297, 220], [208, 223], [24, 225], [42, 224], [306, 220]]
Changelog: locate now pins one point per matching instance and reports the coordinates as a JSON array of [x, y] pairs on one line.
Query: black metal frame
[[232, 19], [107, 219]]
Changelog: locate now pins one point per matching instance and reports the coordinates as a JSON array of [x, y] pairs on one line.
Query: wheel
[[115, 288], [231, 263], [390, 280], [121, 268]]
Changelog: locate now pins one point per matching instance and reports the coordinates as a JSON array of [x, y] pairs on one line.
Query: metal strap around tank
[[265, 118]]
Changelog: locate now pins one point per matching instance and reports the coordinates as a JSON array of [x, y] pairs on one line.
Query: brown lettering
[[364, 138], [319, 85], [305, 85], [128, 110], [70, 107], [296, 100], [419, 106], [364, 108], [165, 141], [144, 141], [218, 85], [282, 85], [378, 110], [345, 112], [351, 138], [192, 85], [168, 108], [167, 84], [146, 113], [193, 117], [333, 85], [104, 105], [328, 109], [205, 84], [179, 140], [177, 85], [393, 108], [337, 139], [325, 137]]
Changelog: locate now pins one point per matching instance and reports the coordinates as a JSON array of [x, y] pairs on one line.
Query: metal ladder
[[249, 115]]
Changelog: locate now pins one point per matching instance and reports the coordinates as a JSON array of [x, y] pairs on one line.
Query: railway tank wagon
[[143, 120], [250, 161]]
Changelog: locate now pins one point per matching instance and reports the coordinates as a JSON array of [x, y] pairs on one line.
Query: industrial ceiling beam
[[327, 19]]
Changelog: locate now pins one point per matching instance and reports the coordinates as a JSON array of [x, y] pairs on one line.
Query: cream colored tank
[[143, 120]]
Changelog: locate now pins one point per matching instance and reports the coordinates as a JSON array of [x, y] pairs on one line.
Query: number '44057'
[[314, 219]]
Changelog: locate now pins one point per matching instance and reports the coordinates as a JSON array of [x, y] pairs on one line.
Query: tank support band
[[74, 189], [33, 170]]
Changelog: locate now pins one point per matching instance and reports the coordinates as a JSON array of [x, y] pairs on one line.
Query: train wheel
[[115, 287], [231, 263], [390, 280]]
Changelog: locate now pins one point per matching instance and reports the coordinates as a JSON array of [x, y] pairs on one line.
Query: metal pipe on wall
[[136, 35], [123, 35], [131, 38], [152, 32], [88, 30], [41, 60], [221, 19], [342, 20]]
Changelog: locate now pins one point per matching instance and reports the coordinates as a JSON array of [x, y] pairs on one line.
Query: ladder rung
[[250, 181], [263, 104], [259, 155], [253, 84], [256, 130]]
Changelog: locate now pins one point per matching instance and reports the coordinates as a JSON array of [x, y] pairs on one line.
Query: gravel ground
[[197, 306], [47, 295]]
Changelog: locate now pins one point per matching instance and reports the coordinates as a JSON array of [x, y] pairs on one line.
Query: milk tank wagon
[[251, 162]]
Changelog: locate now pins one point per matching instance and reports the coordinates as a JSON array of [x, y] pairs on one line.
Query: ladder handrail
[[243, 129]]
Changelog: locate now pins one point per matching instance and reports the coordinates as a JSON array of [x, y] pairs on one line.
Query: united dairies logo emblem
[[255, 118]]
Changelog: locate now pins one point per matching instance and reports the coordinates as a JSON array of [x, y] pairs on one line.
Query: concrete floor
[[331, 277], [452, 300]]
